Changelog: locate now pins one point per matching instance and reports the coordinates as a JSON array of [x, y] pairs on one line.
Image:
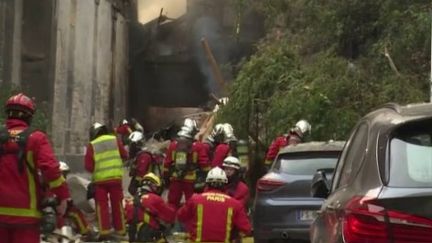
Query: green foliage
[[40, 119], [325, 61]]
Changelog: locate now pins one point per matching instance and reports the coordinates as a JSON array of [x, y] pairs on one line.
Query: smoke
[[209, 27], [150, 9]]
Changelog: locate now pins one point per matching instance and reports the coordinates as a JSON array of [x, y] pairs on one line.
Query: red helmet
[[20, 102]]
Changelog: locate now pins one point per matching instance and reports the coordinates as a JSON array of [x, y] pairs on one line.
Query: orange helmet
[[20, 102]]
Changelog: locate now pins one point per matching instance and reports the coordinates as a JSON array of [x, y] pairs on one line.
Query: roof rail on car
[[393, 106]]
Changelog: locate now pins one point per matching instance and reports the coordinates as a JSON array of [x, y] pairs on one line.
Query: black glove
[[167, 181], [200, 181]]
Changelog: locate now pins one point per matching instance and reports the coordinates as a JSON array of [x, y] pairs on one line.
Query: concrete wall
[[11, 12], [90, 78]]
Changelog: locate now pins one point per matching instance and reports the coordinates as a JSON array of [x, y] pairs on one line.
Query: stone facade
[[72, 56], [90, 72]]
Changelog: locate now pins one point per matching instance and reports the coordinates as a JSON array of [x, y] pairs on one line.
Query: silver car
[[382, 186], [283, 206]]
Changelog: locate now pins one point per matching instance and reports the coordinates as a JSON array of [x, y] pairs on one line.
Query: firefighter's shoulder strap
[[133, 229], [4, 137], [21, 140]]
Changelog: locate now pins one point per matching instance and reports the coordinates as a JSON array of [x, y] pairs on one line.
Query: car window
[[411, 156], [305, 163], [352, 158]]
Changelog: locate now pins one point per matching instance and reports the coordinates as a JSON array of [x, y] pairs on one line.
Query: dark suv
[[382, 185], [283, 206]]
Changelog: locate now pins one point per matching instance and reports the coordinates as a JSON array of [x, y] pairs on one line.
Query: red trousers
[[19, 234], [176, 190], [77, 217], [113, 192]]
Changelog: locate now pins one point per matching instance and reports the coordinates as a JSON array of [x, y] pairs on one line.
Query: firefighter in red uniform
[[104, 159], [213, 140], [295, 136], [225, 148], [185, 163], [74, 214], [236, 188], [212, 216], [143, 161], [123, 131], [24, 155], [148, 215]]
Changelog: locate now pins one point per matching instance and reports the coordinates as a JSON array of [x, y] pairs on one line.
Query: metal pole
[[431, 59]]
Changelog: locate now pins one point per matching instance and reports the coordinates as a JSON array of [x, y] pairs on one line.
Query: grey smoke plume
[[209, 28]]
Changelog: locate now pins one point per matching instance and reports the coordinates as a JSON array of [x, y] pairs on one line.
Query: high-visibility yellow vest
[[106, 155]]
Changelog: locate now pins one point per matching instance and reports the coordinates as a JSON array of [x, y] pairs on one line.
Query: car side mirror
[[320, 186]]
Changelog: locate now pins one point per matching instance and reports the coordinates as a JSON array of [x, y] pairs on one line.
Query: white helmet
[[217, 131], [136, 137], [96, 129], [97, 125], [185, 132], [64, 167], [302, 127], [229, 132], [125, 122], [191, 123], [216, 175], [231, 162]]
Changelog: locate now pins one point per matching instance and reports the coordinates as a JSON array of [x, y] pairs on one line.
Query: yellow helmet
[[151, 177]]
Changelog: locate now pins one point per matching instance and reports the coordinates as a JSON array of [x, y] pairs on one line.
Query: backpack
[[21, 139], [182, 154]]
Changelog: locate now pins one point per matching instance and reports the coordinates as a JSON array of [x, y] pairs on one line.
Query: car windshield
[[305, 163], [411, 156]]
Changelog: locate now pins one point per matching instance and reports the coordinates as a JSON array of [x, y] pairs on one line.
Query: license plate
[[307, 215]]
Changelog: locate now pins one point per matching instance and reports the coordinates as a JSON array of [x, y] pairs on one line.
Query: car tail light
[[366, 221], [265, 184]]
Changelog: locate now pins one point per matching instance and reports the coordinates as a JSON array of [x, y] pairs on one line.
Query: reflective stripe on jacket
[[150, 202], [197, 158], [30, 211], [108, 162], [212, 216], [21, 191]]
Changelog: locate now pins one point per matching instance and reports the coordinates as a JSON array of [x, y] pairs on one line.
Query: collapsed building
[[170, 72]]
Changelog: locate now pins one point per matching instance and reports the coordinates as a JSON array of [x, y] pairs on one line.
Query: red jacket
[[143, 163], [208, 149], [211, 217], [155, 210], [238, 190], [221, 152], [198, 153], [21, 193], [123, 130], [279, 143], [89, 162]]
